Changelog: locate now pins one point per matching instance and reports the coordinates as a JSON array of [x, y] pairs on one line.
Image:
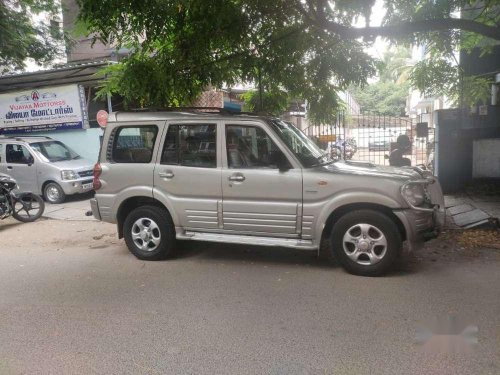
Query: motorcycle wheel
[[28, 207]]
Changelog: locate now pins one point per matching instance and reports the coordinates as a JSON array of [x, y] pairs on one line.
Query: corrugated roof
[[83, 73]]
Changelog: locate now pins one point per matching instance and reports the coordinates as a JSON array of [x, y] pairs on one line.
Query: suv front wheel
[[366, 242], [149, 233]]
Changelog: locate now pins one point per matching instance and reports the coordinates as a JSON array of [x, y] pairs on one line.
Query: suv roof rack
[[196, 109], [20, 138]]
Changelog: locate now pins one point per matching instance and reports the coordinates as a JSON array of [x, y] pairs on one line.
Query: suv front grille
[[86, 173]]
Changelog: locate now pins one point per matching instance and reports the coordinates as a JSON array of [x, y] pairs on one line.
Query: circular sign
[[102, 118]]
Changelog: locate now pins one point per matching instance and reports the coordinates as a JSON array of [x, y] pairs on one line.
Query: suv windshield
[[54, 151], [309, 154]]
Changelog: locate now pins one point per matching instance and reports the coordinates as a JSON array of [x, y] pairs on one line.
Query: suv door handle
[[166, 174], [237, 178], [9, 167]]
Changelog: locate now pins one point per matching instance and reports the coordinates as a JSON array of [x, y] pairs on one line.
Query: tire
[[366, 242], [53, 193], [23, 215], [157, 243]]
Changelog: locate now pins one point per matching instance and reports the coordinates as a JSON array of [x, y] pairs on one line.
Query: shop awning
[[83, 73]]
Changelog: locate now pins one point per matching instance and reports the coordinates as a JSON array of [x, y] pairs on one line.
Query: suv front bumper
[[421, 226]]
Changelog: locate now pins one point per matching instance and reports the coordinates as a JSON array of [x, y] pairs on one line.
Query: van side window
[[191, 146], [17, 154], [134, 144]]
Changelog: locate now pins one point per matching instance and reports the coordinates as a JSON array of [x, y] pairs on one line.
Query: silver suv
[[45, 166], [167, 176]]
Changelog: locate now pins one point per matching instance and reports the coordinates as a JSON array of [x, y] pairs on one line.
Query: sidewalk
[[472, 210], [73, 210]]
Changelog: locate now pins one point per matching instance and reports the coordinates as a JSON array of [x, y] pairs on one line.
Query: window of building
[[192, 145], [250, 147], [134, 144]]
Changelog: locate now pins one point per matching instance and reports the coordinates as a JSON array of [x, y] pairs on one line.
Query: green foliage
[[21, 37], [383, 97], [273, 102], [307, 49], [439, 76]]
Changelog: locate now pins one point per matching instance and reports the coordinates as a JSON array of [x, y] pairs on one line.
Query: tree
[[383, 97], [272, 102], [307, 48], [24, 34], [387, 96]]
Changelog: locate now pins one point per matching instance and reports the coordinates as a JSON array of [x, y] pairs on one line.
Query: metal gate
[[372, 137]]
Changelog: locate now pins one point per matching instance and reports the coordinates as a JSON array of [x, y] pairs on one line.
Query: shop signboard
[[44, 109]]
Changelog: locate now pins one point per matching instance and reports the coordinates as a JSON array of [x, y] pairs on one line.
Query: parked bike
[[342, 149], [25, 207]]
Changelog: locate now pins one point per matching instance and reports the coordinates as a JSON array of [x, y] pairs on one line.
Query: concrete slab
[[460, 209], [451, 200], [492, 208], [72, 211], [470, 217]]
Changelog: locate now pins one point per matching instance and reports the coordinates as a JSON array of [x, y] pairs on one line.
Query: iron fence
[[372, 137]]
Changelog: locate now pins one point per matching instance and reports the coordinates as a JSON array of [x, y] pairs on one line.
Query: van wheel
[[366, 242], [53, 193], [149, 233]]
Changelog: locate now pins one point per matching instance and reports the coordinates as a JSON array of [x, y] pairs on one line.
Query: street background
[[74, 300]]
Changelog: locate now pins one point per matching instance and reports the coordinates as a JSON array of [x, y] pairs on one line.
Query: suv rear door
[[258, 198], [188, 173]]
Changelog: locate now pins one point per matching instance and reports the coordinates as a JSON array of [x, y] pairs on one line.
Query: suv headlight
[[414, 194], [69, 175]]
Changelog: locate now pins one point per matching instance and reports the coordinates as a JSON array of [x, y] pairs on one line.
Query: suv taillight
[[97, 173]]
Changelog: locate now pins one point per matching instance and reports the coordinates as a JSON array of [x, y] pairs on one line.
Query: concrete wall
[[457, 132], [85, 142], [486, 158], [83, 48]]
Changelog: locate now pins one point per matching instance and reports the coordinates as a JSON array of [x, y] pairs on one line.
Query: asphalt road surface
[[73, 300]]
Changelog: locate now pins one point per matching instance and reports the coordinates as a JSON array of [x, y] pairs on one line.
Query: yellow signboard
[[327, 138]]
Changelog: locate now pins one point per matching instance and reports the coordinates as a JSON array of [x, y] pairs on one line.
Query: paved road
[[74, 301]]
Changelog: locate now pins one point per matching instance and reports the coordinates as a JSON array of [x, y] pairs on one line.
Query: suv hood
[[369, 169]]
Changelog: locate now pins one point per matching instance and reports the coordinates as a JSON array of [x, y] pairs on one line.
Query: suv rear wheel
[[366, 242], [149, 233]]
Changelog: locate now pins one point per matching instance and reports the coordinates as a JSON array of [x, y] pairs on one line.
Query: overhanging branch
[[411, 28]]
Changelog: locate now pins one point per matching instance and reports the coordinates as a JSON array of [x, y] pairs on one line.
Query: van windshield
[[54, 151]]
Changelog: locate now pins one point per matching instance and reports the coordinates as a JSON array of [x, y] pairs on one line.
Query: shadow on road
[[9, 224], [79, 197], [245, 253], [406, 264]]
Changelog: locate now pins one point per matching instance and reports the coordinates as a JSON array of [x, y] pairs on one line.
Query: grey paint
[[290, 206], [486, 158], [33, 177]]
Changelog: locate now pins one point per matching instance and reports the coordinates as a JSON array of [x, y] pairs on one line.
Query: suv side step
[[247, 240]]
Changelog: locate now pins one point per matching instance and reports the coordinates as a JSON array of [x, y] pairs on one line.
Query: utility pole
[[261, 100]]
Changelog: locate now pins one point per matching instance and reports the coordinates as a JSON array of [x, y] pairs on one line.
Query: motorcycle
[[342, 149], [25, 207]]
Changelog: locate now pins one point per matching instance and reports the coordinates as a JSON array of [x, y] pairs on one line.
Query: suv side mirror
[[31, 161]]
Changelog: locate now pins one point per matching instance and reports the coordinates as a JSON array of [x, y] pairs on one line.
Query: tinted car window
[[250, 147], [18, 154], [190, 145], [134, 144]]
